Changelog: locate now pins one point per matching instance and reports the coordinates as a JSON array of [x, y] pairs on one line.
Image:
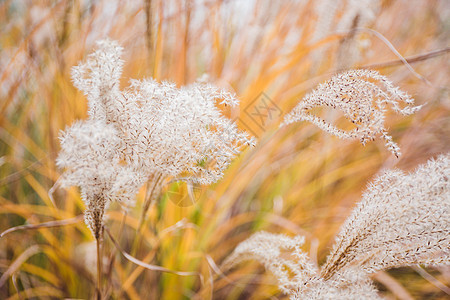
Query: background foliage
[[297, 180]]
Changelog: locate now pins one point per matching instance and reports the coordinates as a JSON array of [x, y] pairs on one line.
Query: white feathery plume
[[296, 275], [267, 248], [149, 131], [362, 96], [164, 129], [90, 158], [403, 219]]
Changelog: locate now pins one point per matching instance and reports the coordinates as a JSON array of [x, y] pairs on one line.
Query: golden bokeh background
[[297, 180]]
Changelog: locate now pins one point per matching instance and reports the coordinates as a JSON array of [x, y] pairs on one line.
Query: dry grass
[[297, 180]]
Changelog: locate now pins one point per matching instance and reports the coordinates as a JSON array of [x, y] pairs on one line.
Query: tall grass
[[297, 180]]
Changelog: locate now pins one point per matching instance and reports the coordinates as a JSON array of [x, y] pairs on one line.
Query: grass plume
[[402, 220]]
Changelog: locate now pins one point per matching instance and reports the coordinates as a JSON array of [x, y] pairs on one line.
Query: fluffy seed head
[[362, 96], [402, 220], [149, 130]]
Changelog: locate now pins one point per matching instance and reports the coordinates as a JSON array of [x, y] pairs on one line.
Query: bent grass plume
[[362, 96], [402, 220]]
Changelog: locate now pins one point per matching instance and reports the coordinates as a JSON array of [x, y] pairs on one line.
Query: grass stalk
[[99, 268]]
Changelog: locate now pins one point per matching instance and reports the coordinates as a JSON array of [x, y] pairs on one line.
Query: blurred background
[[297, 180]]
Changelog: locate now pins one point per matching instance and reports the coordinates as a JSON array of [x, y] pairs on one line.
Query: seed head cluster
[[401, 220], [362, 96], [149, 130]]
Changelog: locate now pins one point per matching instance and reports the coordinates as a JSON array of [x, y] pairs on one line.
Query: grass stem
[[99, 268]]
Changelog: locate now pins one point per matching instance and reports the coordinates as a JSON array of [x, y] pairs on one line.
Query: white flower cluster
[[403, 219], [150, 130], [362, 96]]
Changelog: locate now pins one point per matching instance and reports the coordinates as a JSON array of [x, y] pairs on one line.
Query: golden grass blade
[[158, 53], [216, 268], [409, 59], [18, 262], [41, 291], [40, 190], [128, 282], [41, 272], [26, 210], [211, 282], [16, 286], [431, 279], [393, 285], [182, 224], [149, 266], [44, 225], [19, 174], [52, 190]]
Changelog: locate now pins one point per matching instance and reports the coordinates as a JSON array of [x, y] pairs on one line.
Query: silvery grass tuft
[[402, 219], [362, 96], [149, 131]]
